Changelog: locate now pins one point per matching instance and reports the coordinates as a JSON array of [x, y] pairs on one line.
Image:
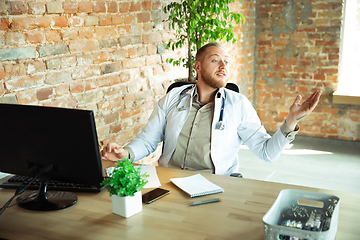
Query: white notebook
[[196, 185]]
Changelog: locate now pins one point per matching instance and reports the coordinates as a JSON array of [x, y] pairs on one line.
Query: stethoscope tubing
[[220, 124]]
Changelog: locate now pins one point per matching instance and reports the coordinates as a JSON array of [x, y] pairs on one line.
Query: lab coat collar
[[220, 93], [194, 93]]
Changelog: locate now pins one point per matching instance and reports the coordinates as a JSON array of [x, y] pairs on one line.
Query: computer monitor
[[62, 142]]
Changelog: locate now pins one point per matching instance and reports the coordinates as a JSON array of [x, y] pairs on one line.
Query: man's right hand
[[114, 152]]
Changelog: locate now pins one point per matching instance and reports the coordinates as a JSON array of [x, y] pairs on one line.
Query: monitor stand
[[46, 201]]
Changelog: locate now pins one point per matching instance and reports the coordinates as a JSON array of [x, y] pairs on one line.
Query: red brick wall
[[298, 51], [106, 56], [243, 53]]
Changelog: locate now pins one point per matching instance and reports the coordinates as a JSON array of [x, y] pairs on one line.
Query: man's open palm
[[298, 111]]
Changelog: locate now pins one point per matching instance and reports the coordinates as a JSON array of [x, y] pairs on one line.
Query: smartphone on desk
[[154, 195]]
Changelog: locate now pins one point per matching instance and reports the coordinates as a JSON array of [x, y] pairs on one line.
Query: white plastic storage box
[[292, 216]]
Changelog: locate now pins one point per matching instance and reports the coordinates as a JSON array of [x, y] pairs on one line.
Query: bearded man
[[202, 126]]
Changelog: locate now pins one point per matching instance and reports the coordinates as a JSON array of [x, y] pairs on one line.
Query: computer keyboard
[[15, 181]]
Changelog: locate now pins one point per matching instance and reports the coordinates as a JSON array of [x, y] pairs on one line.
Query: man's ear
[[197, 66]]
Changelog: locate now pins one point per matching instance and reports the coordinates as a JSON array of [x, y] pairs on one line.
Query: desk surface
[[239, 216]]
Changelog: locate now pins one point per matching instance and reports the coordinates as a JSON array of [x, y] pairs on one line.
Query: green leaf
[[125, 180]]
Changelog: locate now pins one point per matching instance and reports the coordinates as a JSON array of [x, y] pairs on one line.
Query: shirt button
[[192, 138], [290, 136], [189, 154]]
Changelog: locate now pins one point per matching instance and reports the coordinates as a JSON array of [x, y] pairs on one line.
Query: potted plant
[[124, 185], [197, 22]]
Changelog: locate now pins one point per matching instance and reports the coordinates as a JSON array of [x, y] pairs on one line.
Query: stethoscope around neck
[[220, 124]]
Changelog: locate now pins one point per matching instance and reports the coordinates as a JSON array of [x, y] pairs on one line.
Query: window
[[349, 80]]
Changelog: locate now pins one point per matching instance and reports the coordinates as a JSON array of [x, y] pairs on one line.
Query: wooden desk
[[239, 216]]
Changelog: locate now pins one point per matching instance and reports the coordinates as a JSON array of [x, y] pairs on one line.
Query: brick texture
[[73, 53], [298, 46]]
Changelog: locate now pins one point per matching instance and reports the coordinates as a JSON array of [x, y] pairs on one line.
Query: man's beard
[[211, 81]]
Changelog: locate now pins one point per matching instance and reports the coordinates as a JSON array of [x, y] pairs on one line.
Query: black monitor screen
[[64, 139]]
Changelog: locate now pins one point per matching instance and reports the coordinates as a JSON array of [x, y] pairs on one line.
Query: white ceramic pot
[[127, 206]]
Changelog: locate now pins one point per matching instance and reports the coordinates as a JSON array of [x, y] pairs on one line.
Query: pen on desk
[[206, 201]]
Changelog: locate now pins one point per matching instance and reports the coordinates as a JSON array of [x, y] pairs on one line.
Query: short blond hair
[[202, 51]]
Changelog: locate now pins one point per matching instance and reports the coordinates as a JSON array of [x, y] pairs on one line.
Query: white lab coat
[[241, 125]]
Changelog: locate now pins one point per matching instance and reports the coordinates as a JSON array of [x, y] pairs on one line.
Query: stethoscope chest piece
[[220, 125]]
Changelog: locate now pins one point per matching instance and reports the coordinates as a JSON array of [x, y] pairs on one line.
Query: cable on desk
[[20, 190]]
